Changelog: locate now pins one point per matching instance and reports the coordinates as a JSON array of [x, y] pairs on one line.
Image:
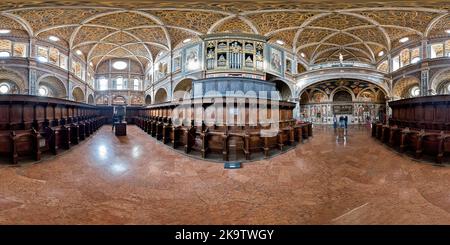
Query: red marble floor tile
[[137, 180]]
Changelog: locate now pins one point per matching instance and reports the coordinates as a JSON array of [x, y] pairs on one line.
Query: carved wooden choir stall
[[418, 125], [32, 125], [221, 141]]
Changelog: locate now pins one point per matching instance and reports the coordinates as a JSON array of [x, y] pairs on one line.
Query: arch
[[318, 96], [342, 88], [148, 99], [54, 85], [437, 79], [119, 100], [304, 98], [78, 94], [443, 87], [342, 95], [366, 94], [13, 78], [401, 87], [102, 100], [90, 99], [161, 95], [284, 89], [182, 89]]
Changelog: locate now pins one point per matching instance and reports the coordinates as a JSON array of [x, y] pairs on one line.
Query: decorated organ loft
[[156, 60]]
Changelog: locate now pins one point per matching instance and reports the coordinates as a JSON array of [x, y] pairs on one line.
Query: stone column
[[296, 112], [32, 81], [424, 79], [69, 89]]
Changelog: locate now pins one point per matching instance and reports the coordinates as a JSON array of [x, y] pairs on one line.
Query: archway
[[182, 90], [161, 96], [102, 100], [284, 89], [304, 98], [403, 87], [439, 81], [51, 86], [119, 100], [14, 82], [342, 96], [359, 100], [91, 99], [78, 95], [443, 87], [148, 99]]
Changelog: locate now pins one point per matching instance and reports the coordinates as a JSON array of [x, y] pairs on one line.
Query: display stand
[[120, 124]]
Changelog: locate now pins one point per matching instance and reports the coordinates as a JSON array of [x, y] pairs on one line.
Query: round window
[[415, 91], [4, 88], [43, 91], [119, 65]]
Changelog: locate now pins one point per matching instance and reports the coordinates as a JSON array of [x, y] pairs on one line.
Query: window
[[43, 91], [63, 61], [395, 63], [404, 57], [415, 91], [119, 83], [20, 50], [136, 84], [42, 54], [415, 55], [8, 48], [119, 65], [448, 88], [5, 48], [4, 54], [437, 50], [103, 84], [82, 73], [4, 88], [76, 68]]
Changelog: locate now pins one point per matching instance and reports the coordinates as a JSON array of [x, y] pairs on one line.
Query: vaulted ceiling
[[316, 30]]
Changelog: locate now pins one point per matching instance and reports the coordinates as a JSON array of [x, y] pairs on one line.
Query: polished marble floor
[[137, 180]]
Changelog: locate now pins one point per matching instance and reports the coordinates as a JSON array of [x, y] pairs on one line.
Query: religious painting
[[20, 49], [176, 63], [367, 96], [318, 97], [161, 70], [275, 60], [288, 66], [102, 100], [136, 100], [192, 58]]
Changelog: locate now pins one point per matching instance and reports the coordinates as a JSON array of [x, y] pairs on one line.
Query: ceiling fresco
[[316, 30]]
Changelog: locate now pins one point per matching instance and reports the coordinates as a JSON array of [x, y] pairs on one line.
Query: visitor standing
[[334, 122], [345, 121]]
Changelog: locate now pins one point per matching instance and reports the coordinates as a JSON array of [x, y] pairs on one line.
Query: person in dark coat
[[345, 121], [115, 119]]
